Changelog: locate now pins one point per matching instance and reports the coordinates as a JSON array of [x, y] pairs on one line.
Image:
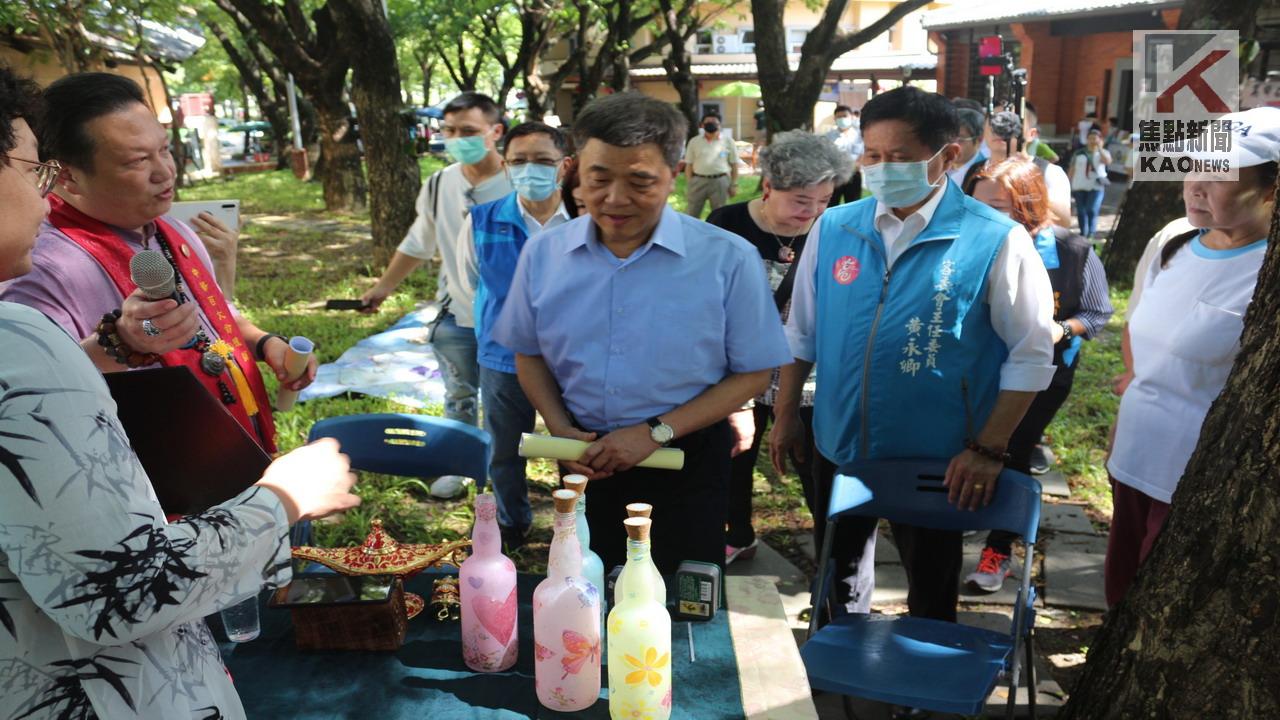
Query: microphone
[[154, 276]]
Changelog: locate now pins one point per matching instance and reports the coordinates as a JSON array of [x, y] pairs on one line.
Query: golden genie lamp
[[381, 554]]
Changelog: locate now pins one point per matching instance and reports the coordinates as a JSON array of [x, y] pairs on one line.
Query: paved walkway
[[1067, 570]]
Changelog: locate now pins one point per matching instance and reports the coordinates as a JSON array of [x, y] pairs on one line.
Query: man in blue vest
[[928, 315], [488, 249]]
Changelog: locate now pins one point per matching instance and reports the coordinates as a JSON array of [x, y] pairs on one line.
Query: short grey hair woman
[[799, 172]]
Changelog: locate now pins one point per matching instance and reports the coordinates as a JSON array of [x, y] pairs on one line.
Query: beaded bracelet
[[115, 347], [986, 452]]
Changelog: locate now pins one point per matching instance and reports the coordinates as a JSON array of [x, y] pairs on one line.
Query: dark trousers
[[932, 559], [848, 192], [742, 477], [1027, 435], [689, 505]]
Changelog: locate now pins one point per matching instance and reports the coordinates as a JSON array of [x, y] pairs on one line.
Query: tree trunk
[[789, 97], [1198, 635], [265, 89], [375, 89], [310, 50], [1149, 206], [341, 174], [678, 61], [428, 71]]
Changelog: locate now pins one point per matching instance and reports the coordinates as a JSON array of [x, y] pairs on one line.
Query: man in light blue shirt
[[637, 327]]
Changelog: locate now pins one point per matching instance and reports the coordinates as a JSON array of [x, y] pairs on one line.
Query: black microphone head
[[152, 273]]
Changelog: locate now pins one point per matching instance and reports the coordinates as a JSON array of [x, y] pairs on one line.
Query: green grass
[[276, 192], [285, 274]]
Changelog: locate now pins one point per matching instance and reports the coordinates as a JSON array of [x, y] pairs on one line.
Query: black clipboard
[[193, 450]]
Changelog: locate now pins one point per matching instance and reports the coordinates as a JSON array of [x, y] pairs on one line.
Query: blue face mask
[[466, 150], [534, 182], [844, 123], [900, 184]]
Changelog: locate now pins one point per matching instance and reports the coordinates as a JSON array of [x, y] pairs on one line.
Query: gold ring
[[979, 486]]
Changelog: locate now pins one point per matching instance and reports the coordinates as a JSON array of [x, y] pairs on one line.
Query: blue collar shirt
[[632, 338]]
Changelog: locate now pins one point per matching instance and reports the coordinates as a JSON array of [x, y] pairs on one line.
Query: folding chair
[[402, 444], [919, 662]]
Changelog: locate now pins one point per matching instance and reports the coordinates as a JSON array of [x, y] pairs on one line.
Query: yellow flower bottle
[[642, 510], [639, 637]]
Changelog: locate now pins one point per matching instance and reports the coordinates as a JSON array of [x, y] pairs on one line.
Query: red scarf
[[113, 255]]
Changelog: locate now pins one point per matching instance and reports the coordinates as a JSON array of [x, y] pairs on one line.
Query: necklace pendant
[[212, 363], [786, 254]]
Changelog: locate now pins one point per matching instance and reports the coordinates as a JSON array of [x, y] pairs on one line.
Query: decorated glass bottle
[[639, 638], [592, 567], [566, 620], [487, 584], [643, 510]]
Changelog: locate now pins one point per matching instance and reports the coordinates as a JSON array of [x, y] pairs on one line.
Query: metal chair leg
[[1031, 675], [1012, 703]]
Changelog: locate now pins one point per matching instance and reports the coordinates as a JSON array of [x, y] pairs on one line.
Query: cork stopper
[[566, 500], [638, 528], [639, 510], [576, 483]]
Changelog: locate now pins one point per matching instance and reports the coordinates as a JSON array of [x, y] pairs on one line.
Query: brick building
[[1078, 53]]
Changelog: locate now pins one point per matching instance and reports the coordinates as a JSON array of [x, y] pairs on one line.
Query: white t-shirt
[[1084, 178], [1185, 335], [439, 230]]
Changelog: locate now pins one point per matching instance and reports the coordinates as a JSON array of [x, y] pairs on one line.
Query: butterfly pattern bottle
[[487, 581], [592, 566], [639, 638], [566, 620]]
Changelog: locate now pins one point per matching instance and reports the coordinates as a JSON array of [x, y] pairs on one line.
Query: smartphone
[[226, 211], [319, 590], [345, 304]]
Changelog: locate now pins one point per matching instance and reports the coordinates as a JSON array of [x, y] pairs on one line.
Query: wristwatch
[[660, 432], [1068, 332]]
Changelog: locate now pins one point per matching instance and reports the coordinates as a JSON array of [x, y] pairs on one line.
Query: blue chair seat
[[865, 655]]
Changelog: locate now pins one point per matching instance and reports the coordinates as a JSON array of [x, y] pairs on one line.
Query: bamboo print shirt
[[100, 600]]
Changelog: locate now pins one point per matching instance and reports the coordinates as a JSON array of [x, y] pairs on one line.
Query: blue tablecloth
[[426, 678]]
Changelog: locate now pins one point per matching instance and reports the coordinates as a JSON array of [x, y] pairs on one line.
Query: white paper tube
[[295, 364], [557, 448]]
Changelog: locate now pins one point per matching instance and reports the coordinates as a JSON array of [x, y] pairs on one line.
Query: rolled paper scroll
[[295, 364], [556, 448]]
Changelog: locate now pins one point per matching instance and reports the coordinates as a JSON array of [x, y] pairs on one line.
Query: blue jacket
[[908, 362], [500, 234]]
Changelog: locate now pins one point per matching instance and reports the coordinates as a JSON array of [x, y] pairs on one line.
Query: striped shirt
[[1095, 307]]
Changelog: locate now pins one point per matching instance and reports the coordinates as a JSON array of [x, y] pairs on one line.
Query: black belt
[[710, 177]]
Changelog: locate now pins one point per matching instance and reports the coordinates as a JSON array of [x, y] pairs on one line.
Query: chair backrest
[[910, 491], [410, 445]]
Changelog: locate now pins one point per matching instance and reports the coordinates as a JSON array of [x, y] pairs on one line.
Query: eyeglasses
[[46, 174]]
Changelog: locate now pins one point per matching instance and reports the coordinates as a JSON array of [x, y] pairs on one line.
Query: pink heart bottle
[[489, 603]]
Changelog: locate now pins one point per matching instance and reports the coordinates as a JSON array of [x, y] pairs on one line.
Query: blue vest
[[908, 363], [500, 234]]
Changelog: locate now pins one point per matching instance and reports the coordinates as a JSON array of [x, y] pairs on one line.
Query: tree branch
[[844, 42]]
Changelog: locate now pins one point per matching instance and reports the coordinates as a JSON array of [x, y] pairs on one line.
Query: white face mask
[[900, 184]]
